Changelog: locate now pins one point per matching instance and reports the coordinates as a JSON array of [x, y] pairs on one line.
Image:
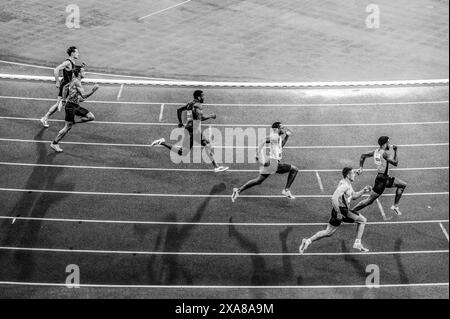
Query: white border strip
[[46, 191], [159, 169], [87, 72], [232, 125], [224, 147], [180, 253], [135, 222], [42, 284], [236, 84], [238, 104]]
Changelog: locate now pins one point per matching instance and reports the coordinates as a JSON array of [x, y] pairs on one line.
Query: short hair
[[346, 171], [197, 94], [71, 50], [383, 140], [276, 125]]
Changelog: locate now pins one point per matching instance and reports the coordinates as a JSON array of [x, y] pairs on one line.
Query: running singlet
[[346, 188], [276, 146], [380, 162], [73, 96], [191, 113], [67, 74]]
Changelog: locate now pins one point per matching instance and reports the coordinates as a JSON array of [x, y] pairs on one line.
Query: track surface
[[126, 215]]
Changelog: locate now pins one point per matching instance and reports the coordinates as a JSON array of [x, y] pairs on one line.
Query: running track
[[138, 225]]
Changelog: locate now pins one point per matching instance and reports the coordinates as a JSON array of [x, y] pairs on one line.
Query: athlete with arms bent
[[383, 180], [341, 213]]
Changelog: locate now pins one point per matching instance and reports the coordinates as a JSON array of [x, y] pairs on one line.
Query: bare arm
[[56, 71], [179, 113], [335, 198], [82, 92], [363, 159], [261, 145], [357, 195], [202, 117], [392, 160]]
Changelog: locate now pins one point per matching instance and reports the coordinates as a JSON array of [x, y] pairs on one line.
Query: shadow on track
[[27, 233], [167, 269]]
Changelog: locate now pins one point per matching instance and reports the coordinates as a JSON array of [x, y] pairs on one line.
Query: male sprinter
[[276, 140], [194, 111], [341, 213], [382, 160], [76, 95], [67, 68]]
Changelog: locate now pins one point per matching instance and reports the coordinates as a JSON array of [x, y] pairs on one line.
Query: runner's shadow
[[35, 205], [172, 271], [262, 276], [360, 270]]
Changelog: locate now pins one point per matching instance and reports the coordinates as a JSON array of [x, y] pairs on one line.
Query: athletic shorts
[[61, 88], [382, 182], [204, 141], [282, 168], [74, 109], [336, 221]]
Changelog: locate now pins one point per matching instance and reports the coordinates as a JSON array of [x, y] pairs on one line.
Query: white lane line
[[237, 125], [226, 147], [242, 104], [159, 169], [192, 287], [234, 125], [161, 114], [46, 191], [120, 92], [94, 73], [163, 10], [444, 230], [383, 214], [319, 180], [135, 222], [164, 253]]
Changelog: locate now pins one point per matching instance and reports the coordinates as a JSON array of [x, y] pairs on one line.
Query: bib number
[[377, 159]]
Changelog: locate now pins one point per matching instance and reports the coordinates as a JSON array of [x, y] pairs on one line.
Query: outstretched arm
[[357, 195], [82, 93], [287, 133]]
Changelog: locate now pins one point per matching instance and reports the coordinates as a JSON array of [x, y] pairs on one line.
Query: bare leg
[[401, 185], [253, 182], [366, 202], [328, 232], [63, 132], [292, 175], [210, 152], [53, 108], [88, 118]]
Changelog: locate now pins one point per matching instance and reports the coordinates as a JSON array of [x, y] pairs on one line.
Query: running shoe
[[360, 247], [305, 244], [288, 194], [235, 194], [56, 147], [396, 210], [220, 169], [44, 122], [158, 142]]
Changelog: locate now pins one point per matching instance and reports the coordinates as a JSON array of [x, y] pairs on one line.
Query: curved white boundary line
[[236, 84], [43, 284], [182, 253], [94, 73]]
